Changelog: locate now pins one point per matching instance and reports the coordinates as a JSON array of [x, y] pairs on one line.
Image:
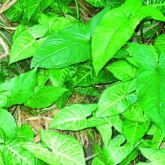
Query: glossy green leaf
[[155, 157], [134, 130], [19, 89], [7, 123], [114, 153], [116, 99], [116, 27], [122, 70], [44, 96], [61, 149], [64, 48], [24, 46], [74, 117], [150, 83], [1, 161], [13, 154]]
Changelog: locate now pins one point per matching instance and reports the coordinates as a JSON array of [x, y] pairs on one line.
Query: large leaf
[[116, 99], [74, 117], [114, 153], [134, 130], [7, 123], [44, 96], [64, 48], [19, 89], [13, 154], [24, 46], [61, 149], [122, 70], [116, 27], [150, 83], [156, 157]]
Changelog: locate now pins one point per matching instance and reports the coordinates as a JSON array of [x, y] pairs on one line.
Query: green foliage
[[116, 60]]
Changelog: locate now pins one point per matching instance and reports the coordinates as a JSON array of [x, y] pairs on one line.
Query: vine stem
[[77, 9]]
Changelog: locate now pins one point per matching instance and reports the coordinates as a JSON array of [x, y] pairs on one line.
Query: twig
[[5, 47], [6, 5]]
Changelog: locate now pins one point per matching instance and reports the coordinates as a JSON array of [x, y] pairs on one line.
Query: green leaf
[[157, 136], [160, 43], [19, 89], [150, 83], [44, 96], [60, 76], [89, 91], [158, 4], [122, 70], [56, 23], [99, 158], [97, 3], [135, 113], [13, 153], [60, 149], [105, 130], [131, 157], [156, 157], [116, 99], [134, 130], [24, 46], [74, 117], [85, 76], [25, 132], [7, 123], [116, 28], [33, 5], [14, 13], [64, 48], [1, 161], [114, 153]]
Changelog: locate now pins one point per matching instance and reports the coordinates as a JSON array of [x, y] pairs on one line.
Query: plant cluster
[[117, 56]]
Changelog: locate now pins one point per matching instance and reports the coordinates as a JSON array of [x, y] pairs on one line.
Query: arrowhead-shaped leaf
[[150, 82], [60, 149], [116, 99], [74, 117], [116, 28], [64, 48]]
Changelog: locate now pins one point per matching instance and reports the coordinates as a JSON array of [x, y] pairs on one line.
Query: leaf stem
[[77, 9]]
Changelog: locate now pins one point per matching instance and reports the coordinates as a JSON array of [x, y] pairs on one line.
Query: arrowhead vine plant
[[116, 57]]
